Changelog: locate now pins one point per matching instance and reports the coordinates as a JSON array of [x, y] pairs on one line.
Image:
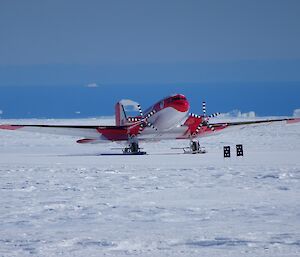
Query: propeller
[[137, 128], [144, 119], [205, 119], [135, 119], [145, 122]]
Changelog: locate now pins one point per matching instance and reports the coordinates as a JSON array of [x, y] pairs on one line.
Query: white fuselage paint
[[167, 119]]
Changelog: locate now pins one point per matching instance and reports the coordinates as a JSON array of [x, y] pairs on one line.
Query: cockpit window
[[175, 98], [178, 98]]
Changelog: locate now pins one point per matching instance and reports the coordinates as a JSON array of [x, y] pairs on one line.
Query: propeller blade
[[150, 114], [195, 115], [151, 125], [204, 108], [197, 129], [133, 119], [141, 127], [214, 115], [211, 127], [140, 110]]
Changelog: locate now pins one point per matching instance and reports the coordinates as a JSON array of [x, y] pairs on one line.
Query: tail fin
[[125, 111]]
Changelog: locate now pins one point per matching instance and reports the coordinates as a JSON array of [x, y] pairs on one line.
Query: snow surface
[[62, 198]]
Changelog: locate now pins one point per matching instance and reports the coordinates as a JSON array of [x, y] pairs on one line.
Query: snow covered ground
[[62, 198]]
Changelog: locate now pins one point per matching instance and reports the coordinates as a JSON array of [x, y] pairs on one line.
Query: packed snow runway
[[62, 198]]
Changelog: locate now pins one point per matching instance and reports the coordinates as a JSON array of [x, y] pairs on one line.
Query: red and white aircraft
[[168, 119]]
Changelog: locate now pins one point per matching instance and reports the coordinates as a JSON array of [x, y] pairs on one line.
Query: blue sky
[[139, 31], [150, 44]]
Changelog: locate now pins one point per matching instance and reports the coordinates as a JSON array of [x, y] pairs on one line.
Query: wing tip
[[10, 127], [292, 121]]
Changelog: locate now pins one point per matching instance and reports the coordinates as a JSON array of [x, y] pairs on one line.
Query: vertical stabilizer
[[126, 112], [120, 114]]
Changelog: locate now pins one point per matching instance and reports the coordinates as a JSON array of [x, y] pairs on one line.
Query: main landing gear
[[194, 148], [133, 148]]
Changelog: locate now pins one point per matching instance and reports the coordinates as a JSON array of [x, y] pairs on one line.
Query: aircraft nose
[[180, 104]]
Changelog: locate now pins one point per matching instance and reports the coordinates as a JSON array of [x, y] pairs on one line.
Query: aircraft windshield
[[178, 98]]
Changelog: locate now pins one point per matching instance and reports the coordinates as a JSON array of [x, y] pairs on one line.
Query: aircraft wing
[[55, 129], [99, 134], [94, 132], [198, 129], [256, 122]]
